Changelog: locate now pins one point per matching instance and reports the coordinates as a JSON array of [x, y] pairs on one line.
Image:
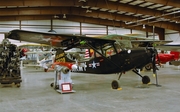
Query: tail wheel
[[56, 86], [52, 84], [115, 84], [145, 79], [18, 85]]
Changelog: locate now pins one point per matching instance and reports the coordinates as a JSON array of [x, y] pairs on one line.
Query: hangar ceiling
[[131, 14]]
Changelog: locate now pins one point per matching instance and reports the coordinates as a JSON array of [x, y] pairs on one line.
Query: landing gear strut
[[115, 83], [145, 79]]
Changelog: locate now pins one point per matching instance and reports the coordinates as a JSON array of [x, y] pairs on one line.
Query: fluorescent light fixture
[[144, 26]]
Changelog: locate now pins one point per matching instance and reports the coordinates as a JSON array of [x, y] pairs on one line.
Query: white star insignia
[[93, 65]]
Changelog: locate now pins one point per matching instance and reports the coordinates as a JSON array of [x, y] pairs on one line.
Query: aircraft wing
[[39, 52], [148, 43], [125, 37], [170, 47], [57, 40], [136, 40], [31, 44]]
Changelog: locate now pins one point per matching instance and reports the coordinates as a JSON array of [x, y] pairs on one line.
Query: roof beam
[[174, 3], [87, 20], [37, 3], [94, 3], [128, 8], [79, 12], [77, 19]]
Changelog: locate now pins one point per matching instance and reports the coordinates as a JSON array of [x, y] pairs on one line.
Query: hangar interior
[[93, 18]]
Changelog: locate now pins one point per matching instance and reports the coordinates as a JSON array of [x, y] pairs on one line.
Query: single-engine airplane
[[120, 61], [174, 48]]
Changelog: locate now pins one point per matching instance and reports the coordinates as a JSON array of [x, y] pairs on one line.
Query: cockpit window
[[108, 50]]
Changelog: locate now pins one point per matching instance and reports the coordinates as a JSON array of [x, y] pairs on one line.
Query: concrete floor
[[93, 93]]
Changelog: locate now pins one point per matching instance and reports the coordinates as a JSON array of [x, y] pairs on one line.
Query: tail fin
[[60, 59], [60, 56]]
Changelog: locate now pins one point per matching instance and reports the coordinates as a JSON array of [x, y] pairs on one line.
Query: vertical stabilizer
[[60, 56]]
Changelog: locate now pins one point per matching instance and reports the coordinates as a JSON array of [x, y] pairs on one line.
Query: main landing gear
[[115, 83], [145, 79]]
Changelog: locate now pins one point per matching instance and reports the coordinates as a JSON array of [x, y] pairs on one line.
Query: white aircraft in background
[[36, 55], [44, 59], [38, 59]]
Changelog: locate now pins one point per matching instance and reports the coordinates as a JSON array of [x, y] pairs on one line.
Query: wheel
[[145, 79], [115, 84], [148, 67], [18, 85], [52, 84], [57, 87]]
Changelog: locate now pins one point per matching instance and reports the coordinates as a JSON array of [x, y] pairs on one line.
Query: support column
[[161, 33], [157, 30], [80, 24], [107, 31], [20, 24], [51, 24], [51, 30]]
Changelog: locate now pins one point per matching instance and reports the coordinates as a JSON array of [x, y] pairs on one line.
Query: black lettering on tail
[[60, 56]]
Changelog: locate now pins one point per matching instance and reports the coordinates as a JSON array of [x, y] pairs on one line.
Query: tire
[[145, 79], [148, 67], [115, 84]]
